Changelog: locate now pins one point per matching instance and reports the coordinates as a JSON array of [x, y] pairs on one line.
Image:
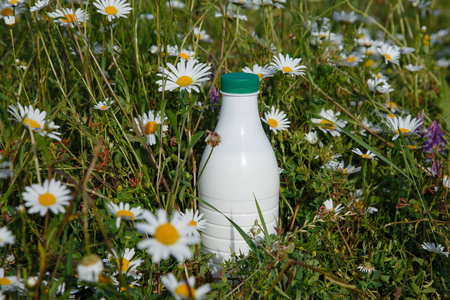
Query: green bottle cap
[[239, 83]]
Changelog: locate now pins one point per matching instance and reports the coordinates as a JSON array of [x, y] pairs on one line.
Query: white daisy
[[90, 268], [330, 207], [439, 249], [8, 283], [67, 17], [345, 170], [407, 50], [202, 35], [184, 290], [113, 8], [230, 15], [168, 237], [186, 54], [446, 181], [124, 212], [412, 68], [15, 3], [392, 106], [175, 4], [443, 63], [186, 76], [262, 72], [6, 237], [366, 267], [367, 155], [5, 168], [311, 137], [346, 18], [125, 262], [288, 65], [276, 120], [404, 126], [330, 123], [390, 53], [193, 221], [103, 105], [149, 123], [6, 10], [40, 4], [52, 195], [379, 85], [351, 60], [10, 21], [380, 76]]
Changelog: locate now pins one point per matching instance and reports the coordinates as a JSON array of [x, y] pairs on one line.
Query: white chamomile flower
[[52, 195], [90, 268], [366, 267], [6, 10], [404, 126], [230, 15], [124, 212], [175, 4], [202, 35], [367, 155], [379, 85], [5, 168], [35, 120], [8, 283], [439, 249], [351, 60], [330, 123], [167, 237], [10, 21], [6, 237], [446, 181], [15, 3], [392, 106], [149, 123], [67, 17], [113, 8], [390, 53], [340, 167], [125, 262], [276, 120], [194, 222], [103, 105], [186, 54], [311, 137], [40, 4], [186, 76], [262, 72], [412, 68], [345, 18], [288, 65], [184, 290], [329, 206]]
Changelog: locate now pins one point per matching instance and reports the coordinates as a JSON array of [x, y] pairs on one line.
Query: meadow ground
[[105, 109]]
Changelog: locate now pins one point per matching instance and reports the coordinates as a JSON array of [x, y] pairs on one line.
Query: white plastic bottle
[[241, 168]]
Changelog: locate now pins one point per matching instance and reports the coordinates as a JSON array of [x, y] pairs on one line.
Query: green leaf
[[173, 121], [261, 217], [443, 102]]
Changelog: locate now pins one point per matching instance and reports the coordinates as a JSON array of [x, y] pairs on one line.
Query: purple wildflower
[[214, 97], [435, 138]]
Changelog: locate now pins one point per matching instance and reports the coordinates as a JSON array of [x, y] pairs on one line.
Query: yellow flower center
[[370, 62], [70, 18], [192, 223], [31, 123], [186, 291], [388, 56], [412, 147], [124, 265], [6, 12], [403, 130], [365, 155], [391, 116], [150, 127], [272, 123], [5, 281], [184, 81], [13, 2], [392, 105], [287, 69], [344, 171], [260, 75], [184, 55], [125, 214], [351, 59], [47, 199], [166, 234], [111, 10], [323, 35], [326, 124], [103, 107]]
